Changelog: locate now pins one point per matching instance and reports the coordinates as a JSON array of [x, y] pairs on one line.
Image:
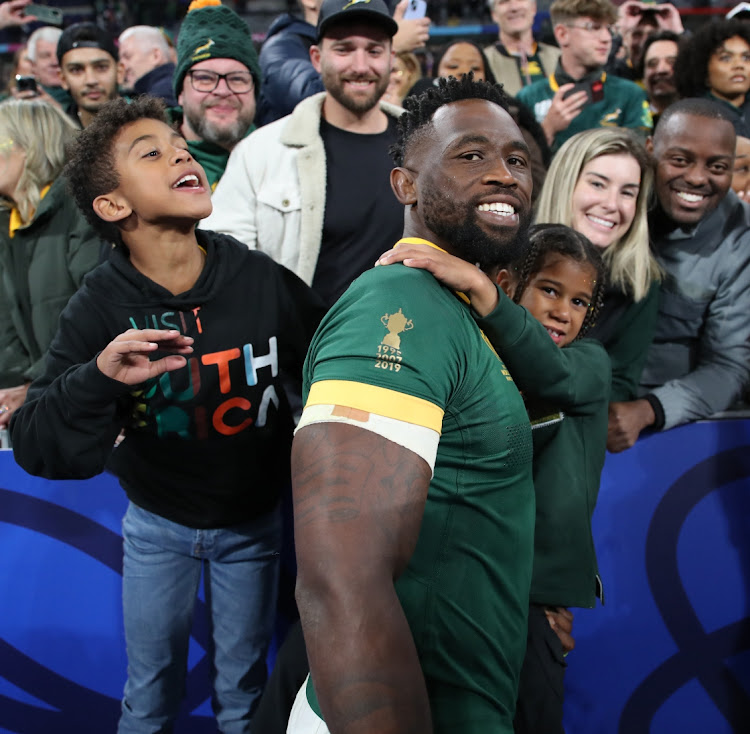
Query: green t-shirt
[[399, 344]]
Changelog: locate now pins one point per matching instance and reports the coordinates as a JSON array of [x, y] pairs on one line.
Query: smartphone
[[45, 14], [594, 90], [415, 9], [26, 84]]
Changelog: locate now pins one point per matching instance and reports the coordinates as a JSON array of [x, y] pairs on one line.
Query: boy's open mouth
[[188, 181]]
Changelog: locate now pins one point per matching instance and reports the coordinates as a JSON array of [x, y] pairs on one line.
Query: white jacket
[[272, 193]]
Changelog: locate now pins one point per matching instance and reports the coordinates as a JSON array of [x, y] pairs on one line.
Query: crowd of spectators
[[637, 135]]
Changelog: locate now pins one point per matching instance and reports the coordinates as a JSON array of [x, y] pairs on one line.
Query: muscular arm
[[358, 505]]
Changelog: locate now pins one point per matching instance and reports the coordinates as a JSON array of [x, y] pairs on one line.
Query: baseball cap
[[350, 11], [85, 35], [740, 11]]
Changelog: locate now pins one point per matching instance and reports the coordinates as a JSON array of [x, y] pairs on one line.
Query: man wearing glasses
[[215, 80], [579, 94], [312, 190]]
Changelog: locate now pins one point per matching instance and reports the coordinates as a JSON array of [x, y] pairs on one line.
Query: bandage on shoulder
[[419, 439]]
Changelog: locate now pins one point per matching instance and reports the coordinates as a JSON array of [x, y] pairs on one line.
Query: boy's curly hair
[[91, 169]]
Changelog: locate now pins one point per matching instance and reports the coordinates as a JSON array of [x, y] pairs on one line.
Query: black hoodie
[[206, 446]]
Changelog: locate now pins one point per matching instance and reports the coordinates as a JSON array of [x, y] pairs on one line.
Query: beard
[[334, 85], [225, 135], [457, 223]]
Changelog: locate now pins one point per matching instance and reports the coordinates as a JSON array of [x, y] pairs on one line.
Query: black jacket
[[158, 83], [288, 74], [207, 445]]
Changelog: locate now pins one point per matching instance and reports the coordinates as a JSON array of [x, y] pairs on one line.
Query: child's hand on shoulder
[[126, 357], [453, 272]]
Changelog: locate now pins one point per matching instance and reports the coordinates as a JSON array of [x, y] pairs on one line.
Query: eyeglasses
[[239, 82], [593, 27]]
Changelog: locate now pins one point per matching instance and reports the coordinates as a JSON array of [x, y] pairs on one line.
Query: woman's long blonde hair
[[630, 264], [41, 131]]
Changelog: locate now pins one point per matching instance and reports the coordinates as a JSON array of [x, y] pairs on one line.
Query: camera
[[26, 84], [649, 9]]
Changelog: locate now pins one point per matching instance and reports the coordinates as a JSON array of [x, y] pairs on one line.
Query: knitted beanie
[[211, 30]]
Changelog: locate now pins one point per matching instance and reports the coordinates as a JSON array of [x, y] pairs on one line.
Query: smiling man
[[312, 189], [88, 63], [517, 58], [411, 466], [700, 233], [215, 82]]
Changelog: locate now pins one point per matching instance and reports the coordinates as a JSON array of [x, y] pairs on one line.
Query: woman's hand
[[453, 272]]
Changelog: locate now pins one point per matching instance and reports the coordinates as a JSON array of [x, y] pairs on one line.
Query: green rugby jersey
[[399, 344]]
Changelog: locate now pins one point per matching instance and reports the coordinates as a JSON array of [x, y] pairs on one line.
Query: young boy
[[182, 338]]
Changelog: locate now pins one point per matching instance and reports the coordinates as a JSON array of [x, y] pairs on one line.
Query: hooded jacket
[[205, 446]]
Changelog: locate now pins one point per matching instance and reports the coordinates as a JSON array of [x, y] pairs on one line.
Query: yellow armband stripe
[[378, 400]]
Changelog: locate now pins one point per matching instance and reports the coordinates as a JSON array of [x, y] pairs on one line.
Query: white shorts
[[303, 720]]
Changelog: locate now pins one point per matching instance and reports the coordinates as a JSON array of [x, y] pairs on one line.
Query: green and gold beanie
[[211, 30]]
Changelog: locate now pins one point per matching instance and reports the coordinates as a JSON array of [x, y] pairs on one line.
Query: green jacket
[[628, 346], [41, 267], [567, 396]]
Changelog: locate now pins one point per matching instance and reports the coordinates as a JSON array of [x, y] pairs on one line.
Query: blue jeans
[[161, 574]]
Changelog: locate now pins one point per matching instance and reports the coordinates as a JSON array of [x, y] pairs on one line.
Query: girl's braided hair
[[547, 238]]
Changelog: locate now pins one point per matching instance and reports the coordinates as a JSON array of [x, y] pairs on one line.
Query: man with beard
[[659, 55], [215, 81], [411, 466], [312, 189], [700, 233], [88, 64]]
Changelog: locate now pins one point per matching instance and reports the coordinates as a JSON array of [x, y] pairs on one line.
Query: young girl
[[599, 184], [559, 285]]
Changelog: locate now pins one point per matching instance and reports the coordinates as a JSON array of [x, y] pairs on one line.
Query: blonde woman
[[46, 246], [599, 184]]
